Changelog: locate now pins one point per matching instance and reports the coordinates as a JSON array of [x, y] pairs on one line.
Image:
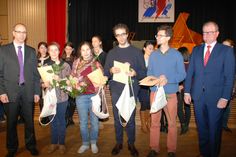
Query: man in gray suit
[[19, 88]]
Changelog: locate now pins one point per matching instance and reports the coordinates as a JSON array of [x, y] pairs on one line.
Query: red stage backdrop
[[56, 22]]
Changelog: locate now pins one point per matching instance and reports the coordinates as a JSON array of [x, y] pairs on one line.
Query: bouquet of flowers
[[70, 85]]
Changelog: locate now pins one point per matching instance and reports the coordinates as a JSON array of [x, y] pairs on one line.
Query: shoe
[[2, 120], [133, 150], [184, 129], [10, 154], [94, 148], [62, 149], [34, 151], [227, 129], [20, 121], [164, 129], [82, 149], [152, 153], [69, 122], [116, 149], [52, 148], [171, 154]]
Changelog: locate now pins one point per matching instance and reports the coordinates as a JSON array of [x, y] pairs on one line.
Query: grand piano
[[182, 35]]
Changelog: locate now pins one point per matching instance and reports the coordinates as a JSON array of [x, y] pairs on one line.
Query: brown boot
[[62, 149], [52, 148], [143, 122], [148, 119]]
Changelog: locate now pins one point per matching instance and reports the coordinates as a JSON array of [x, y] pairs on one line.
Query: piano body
[[183, 36]]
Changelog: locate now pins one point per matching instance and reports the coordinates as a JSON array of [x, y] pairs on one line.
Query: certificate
[[121, 77], [149, 81], [97, 77], [46, 73]]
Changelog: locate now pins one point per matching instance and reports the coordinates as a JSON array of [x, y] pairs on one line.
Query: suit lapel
[[12, 53], [27, 55], [202, 55]]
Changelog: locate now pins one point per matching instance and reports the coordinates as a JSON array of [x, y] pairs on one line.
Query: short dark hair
[[185, 53], [167, 28], [120, 26]]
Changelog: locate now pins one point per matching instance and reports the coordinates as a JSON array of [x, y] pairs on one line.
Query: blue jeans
[[58, 125], [84, 108]]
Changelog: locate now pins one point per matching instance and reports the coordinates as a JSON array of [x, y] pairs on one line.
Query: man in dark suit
[[209, 84], [19, 88]]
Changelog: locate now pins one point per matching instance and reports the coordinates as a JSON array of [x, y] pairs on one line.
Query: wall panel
[[32, 13]]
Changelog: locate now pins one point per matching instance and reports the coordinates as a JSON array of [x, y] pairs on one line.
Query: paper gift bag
[[159, 100], [99, 104], [126, 104], [49, 106]]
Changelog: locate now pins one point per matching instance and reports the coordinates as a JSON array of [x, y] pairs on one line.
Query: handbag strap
[[46, 123]]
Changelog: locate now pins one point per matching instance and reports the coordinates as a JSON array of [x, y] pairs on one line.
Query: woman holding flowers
[[84, 65], [58, 125]]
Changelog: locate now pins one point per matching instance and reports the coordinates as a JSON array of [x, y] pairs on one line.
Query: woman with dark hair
[[43, 56], [183, 110], [84, 65], [43, 60], [143, 94], [69, 57]]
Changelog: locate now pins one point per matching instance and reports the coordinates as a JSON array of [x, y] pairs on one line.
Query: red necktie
[[207, 55]]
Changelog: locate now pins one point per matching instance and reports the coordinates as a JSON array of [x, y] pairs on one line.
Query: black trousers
[[26, 109]]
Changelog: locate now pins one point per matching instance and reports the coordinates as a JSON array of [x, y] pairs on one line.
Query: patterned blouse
[[81, 69]]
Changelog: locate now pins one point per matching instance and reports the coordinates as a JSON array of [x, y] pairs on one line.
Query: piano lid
[[182, 35]]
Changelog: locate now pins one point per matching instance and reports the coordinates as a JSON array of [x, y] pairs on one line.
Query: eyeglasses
[[210, 32], [20, 32], [121, 35], [160, 35]]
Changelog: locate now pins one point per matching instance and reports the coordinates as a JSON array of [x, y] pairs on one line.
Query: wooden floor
[[187, 144]]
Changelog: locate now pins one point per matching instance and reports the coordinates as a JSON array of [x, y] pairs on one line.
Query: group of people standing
[[206, 81]]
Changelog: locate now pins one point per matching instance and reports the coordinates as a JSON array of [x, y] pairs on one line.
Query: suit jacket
[[10, 70], [216, 79]]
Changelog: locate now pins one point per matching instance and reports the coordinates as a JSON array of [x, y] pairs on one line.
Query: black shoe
[[164, 129], [116, 149], [152, 153], [133, 150], [34, 151], [70, 122], [2, 119], [227, 129], [20, 121], [10, 154], [184, 129], [171, 154]]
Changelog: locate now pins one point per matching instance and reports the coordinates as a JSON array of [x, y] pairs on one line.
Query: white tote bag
[[49, 106], [126, 104], [99, 104], [159, 100]]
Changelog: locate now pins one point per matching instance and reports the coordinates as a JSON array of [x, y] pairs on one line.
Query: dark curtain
[[90, 17], [56, 22]]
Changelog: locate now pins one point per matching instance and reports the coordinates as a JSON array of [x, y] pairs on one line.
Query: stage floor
[[187, 144]]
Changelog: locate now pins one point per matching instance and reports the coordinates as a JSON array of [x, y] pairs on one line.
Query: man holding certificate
[[123, 62], [168, 66]]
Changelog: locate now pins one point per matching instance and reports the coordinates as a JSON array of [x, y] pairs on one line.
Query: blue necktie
[[21, 64]]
